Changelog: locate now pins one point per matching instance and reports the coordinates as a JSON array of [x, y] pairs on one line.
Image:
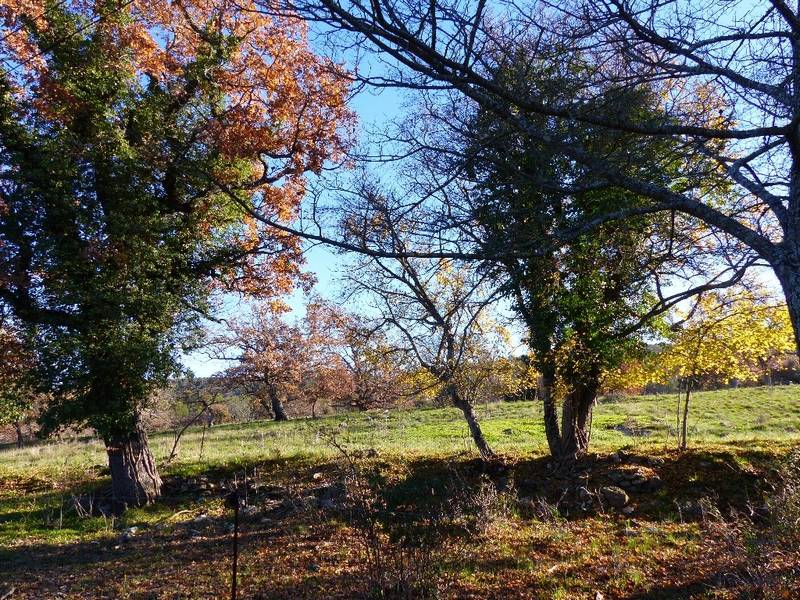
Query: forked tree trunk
[[551, 429], [134, 476], [568, 440]]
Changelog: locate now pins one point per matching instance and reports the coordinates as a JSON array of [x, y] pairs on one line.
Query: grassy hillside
[[723, 416], [524, 533]]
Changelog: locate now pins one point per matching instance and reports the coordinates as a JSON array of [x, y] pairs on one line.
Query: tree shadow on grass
[[192, 558]]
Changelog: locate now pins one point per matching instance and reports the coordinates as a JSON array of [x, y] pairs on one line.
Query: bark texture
[[20, 437], [685, 418], [568, 440], [277, 406], [789, 276], [134, 476], [475, 429]]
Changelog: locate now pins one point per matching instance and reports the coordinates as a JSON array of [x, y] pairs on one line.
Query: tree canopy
[[136, 138]]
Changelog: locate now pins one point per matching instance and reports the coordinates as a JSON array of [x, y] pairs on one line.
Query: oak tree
[[16, 390], [135, 138]]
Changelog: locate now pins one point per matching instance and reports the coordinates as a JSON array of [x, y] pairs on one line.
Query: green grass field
[[725, 416], [736, 437]]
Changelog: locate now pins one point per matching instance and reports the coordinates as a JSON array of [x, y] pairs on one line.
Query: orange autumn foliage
[[281, 110]]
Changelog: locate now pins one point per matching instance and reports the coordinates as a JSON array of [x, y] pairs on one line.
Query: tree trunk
[[574, 422], [277, 406], [789, 277], [472, 422], [569, 440], [551, 428], [585, 399], [685, 414], [134, 476], [20, 438]]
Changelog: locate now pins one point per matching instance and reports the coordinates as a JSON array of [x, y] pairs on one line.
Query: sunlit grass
[[724, 416], [37, 483]]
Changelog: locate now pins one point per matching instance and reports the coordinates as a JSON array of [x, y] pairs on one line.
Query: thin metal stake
[[233, 500]]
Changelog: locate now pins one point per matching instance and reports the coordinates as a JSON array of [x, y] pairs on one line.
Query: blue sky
[[374, 110]]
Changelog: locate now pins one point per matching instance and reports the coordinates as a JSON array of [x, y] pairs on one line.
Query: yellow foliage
[[728, 335]]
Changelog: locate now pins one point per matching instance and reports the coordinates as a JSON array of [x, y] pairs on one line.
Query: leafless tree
[[727, 73], [432, 306]]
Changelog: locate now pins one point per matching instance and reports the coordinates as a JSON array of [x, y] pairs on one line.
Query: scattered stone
[[196, 533], [628, 510], [614, 496], [654, 483], [508, 431], [617, 476], [129, 533], [272, 505], [628, 532], [317, 476], [328, 504], [615, 458], [636, 480], [691, 510], [653, 530]]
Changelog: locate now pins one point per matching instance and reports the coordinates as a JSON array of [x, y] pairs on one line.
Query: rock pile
[[636, 480]]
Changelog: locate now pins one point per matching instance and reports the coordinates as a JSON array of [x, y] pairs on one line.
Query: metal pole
[[234, 500]]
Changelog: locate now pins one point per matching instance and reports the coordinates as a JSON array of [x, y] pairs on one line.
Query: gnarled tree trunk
[[278, 411], [570, 439], [134, 476]]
